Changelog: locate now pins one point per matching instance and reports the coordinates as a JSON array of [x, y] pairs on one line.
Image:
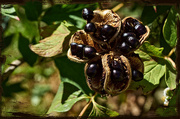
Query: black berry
[[107, 32], [124, 47], [87, 14], [90, 28], [132, 41], [127, 34], [129, 27], [89, 51], [73, 48], [116, 65], [137, 75], [140, 29], [116, 75], [92, 70], [80, 50]]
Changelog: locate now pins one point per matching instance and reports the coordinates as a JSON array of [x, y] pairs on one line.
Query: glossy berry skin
[[116, 65], [124, 47], [90, 28], [92, 70], [127, 34], [80, 50], [73, 48], [89, 52], [116, 75], [133, 42], [137, 75], [107, 31], [140, 29], [87, 14]]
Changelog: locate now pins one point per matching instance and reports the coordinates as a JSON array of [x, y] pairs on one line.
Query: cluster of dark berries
[[82, 51], [106, 31], [133, 30], [107, 46]]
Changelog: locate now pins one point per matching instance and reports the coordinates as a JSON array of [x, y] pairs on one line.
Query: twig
[[84, 109], [87, 105], [116, 8]]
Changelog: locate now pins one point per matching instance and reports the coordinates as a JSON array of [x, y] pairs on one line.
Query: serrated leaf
[[152, 50], [101, 111], [170, 29], [52, 45], [23, 46], [153, 71], [60, 105]]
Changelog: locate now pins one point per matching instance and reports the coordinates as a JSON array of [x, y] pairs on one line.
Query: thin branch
[[116, 8], [84, 109]]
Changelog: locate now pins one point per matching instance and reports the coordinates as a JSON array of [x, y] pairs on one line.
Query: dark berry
[[107, 32], [80, 50], [90, 28], [129, 27], [116, 65], [135, 22], [124, 47], [132, 41], [89, 51], [92, 70], [73, 48], [137, 75], [87, 14], [140, 29], [127, 34], [116, 75]]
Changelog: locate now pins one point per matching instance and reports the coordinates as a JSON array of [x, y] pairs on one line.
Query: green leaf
[[23, 46], [149, 15], [166, 112], [142, 55], [65, 12], [101, 111], [153, 72], [73, 73], [53, 45], [170, 29], [33, 10], [61, 104], [170, 75], [152, 50]]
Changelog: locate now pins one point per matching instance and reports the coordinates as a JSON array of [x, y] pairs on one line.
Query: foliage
[[37, 34]]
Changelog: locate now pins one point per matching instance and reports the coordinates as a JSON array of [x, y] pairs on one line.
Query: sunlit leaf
[[60, 104], [101, 111], [152, 50], [52, 45]]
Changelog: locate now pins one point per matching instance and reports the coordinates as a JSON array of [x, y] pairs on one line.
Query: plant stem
[[116, 8], [86, 106], [84, 109]]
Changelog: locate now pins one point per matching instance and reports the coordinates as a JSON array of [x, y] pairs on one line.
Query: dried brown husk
[[81, 37], [136, 62], [96, 83], [142, 37], [101, 18], [111, 86]]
